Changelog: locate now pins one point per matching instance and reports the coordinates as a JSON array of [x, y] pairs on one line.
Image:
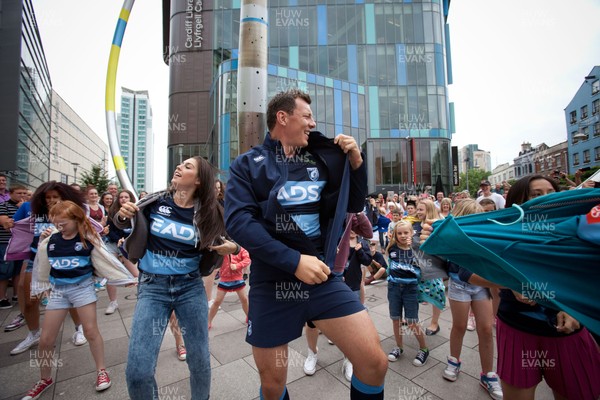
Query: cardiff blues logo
[[78, 246], [164, 210], [313, 173]]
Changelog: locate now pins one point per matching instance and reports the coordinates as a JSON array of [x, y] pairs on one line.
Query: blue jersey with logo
[[70, 261], [39, 225], [403, 266], [171, 248], [301, 194]]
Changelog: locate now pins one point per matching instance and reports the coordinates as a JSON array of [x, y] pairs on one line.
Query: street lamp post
[[180, 150], [468, 161], [75, 165]]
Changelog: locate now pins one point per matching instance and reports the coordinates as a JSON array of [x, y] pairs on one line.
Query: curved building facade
[[376, 71]]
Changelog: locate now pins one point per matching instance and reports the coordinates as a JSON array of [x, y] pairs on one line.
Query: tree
[[476, 175], [96, 177]]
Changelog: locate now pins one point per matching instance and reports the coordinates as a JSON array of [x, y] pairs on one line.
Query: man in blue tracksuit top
[[286, 203]]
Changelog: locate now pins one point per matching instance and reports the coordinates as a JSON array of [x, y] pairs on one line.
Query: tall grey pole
[[252, 73]]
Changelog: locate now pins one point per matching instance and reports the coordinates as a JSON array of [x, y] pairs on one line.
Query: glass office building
[[135, 137], [25, 94], [375, 70]]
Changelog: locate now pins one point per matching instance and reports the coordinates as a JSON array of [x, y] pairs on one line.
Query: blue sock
[[362, 391], [284, 396]]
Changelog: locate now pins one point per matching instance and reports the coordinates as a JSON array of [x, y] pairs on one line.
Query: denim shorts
[[403, 296], [465, 292], [8, 269], [72, 296]]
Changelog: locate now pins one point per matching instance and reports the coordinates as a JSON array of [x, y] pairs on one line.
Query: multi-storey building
[[74, 146], [583, 123], [549, 159], [376, 71], [502, 173], [471, 156], [25, 95], [135, 137]]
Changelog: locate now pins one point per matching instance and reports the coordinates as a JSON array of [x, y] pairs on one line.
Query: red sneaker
[[102, 381], [181, 352], [39, 388]]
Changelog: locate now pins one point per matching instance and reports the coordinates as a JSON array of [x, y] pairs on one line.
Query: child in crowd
[[411, 212], [378, 267], [403, 278], [67, 259], [382, 225], [395, 218], [487, 205], [232, 280]]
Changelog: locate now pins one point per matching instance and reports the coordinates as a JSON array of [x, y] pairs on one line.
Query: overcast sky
[[516, 66]]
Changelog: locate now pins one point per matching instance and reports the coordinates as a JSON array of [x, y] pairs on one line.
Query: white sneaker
[[347, 369], [78, 337], [452, 369], [112, 307], [491, 382], [310, 365], [31, 340], [471, 325]]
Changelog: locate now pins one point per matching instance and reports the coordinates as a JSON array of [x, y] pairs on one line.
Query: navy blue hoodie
[[252, 209]]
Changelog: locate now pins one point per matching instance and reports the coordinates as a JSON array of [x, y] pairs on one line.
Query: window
[[597, 153], [595, 106], [596, 87], [597, 129], [576, 159], [584, 112], [573, 117], [586, 156]]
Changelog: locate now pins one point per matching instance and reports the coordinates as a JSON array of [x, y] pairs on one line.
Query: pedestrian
[[113, 239], [286, 203], [172, 234], [46, 195], [231, 281], [403, 278], [67, 259]]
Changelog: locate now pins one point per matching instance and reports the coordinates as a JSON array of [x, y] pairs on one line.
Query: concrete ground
[[234, 375]]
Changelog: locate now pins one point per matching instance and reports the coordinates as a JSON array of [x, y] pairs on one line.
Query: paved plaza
[[234, 374]]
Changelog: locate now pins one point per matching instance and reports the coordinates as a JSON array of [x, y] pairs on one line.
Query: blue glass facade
[[374, 70], [35, 94]]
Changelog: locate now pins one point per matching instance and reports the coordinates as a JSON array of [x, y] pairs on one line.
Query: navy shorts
[[401, 296], [279, 310]]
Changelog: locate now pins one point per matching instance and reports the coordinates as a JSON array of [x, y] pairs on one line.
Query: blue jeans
[[158, 296]]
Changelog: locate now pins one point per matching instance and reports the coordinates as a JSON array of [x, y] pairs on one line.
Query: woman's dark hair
[[519, 192], [221, 194], [114, 208], [101, 201], [66, 192], [210, 220]]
